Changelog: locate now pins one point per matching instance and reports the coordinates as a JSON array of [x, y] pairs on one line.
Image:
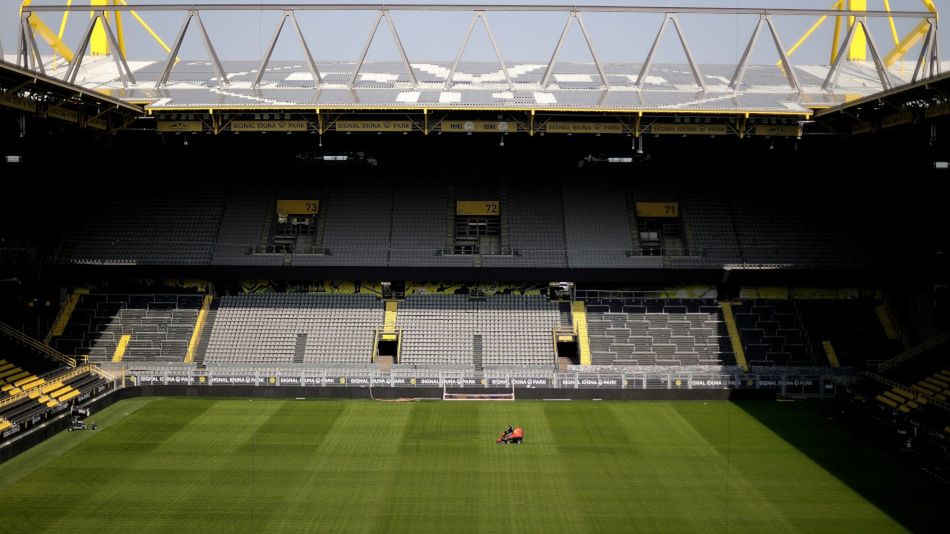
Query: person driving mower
[[510, 436]]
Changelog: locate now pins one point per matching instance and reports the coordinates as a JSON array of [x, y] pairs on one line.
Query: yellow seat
[[61, 391], [19, 376], [939, 383], [52, 403], [50, 387], [904, 409], [912, 404], [6, 375], [33, 383], [71, 394], [904, 393], [886, 401], [5, 425], [893, 396]]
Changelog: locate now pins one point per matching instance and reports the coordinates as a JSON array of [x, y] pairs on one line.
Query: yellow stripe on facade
[[831, 354], [579, 318], [120, 348], [199, 327], [887, 322], [734, 335]]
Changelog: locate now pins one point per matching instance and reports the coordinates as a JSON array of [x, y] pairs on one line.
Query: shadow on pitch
[[891, 483]]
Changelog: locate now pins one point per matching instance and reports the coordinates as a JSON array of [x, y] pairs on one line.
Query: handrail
[[36, 344], [913, 352]]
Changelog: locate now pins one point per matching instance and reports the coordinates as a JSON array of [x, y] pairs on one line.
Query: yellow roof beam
[[908, 42], [47, 34], [147, 28]]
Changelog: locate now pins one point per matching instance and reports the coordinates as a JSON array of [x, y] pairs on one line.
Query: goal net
[[446, 395]]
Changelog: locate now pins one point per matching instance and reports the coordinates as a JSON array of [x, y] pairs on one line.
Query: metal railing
[[37, 345], [781, 381], [924, 347], [49, 379], [28, 53]]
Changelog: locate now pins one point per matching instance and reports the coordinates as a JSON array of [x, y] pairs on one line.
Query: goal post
[[477, 396]]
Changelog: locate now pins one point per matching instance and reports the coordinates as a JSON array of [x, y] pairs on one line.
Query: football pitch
[[239, 465]]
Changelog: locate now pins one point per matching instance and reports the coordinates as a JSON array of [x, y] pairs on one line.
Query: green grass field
[[238, 465]]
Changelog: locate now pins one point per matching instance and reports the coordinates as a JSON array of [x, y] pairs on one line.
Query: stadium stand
[[149, 229], [579, 220], [241, 226], [851, 329], [497, 331], [535, 226], [294, 328], [772, 333], [657, 332], [54, 389], [358, 214], [146, 327]]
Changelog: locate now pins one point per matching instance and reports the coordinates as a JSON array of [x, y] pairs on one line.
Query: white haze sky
[[428, 36]]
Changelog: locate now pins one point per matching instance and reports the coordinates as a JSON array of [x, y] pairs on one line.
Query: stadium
[[296, 266]]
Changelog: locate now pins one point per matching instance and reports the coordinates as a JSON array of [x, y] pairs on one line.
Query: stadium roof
[[546, 85], [193, 85]]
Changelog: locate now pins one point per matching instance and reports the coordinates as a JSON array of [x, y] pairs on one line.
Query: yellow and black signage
[[298, 207], [862, 127], [268, 126], [583, 127], [16, 102], [937, 110], [897, 119], [179, 126], [98, 123], [63, 114], [477, 207], [672, 128], [477, 126], [373, 126], [658, 209], [777, 130]]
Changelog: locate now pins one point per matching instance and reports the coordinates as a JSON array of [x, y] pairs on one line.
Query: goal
[[478, 396]]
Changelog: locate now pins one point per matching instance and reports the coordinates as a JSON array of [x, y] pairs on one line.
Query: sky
[[428, 36]]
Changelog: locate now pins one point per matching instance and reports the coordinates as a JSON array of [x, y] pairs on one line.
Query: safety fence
[[782, 383]]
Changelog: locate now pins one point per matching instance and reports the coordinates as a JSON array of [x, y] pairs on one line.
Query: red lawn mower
[[510, 436]]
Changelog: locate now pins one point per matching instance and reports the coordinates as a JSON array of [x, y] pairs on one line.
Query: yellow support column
[[887, 323], [120, 348], [63, 319], [859, 43], [199, 326], [734, 335], [831, 354], [99, 44], [389, 319], [579, 318]]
